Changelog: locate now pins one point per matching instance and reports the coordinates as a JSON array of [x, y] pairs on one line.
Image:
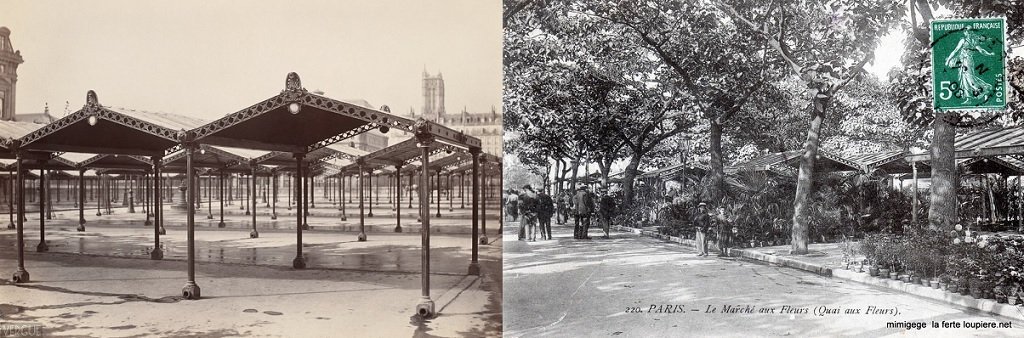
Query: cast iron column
[[191, 289], [10, 201], [369, 175], [424, 139], [252, 183], [248, 193], [298, 262], [273, 198], [158, 212], [398, 197], [220, 194], [438, 185], [20, 275], [42, 247], [81, 199], [344, 215], [474, 267], [362, 219], [99, 193], [483, 203], [304, 207]]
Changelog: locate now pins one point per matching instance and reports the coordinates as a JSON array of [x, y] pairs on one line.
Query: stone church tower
[[9, 61], [433, 96]]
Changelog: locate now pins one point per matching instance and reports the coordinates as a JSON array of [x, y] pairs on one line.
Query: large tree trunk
[[942, 213], [575, 164], [717, 173], [628, 178], [606, 168], [804, 184]]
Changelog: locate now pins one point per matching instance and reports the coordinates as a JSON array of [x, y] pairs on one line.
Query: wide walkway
[[349, 289], [633, 286]]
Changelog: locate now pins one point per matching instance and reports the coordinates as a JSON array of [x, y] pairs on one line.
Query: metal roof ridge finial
[[293, 83], [91, 99]]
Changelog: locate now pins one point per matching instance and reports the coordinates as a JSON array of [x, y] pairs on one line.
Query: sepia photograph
[[763, 168], [234, 168]]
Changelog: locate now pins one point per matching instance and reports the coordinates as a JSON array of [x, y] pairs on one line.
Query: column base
[[162, 230], [273, 216], [305, 226], [425, 309], [254, 234], [451, 210], [483, 239], [20, 276], [438, 215], [343, 218], [42, 247], [398, 228], [147, 222], [190, 291], [392, 208], [289, 208], [474, 269], [11, 225], [362, 237], [156, 254], [221, 224], [312, 206], [247, 213], [299, 262], [81, 227], [209, 216], [370, 214], [99, 214]]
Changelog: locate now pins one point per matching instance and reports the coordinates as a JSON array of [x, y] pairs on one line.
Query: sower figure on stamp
[[528, 207], [546, 209], [607, 211], [701, 223], [584, 204]]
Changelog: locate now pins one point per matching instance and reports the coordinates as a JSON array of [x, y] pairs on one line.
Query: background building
[[9, 61], [487, 126]]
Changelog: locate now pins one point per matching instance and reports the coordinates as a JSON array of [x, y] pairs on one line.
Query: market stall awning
[[298, 121], [981, 143], [787, 163], [110, 130]]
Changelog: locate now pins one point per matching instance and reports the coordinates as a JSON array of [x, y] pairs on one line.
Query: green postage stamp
[[969, 64]]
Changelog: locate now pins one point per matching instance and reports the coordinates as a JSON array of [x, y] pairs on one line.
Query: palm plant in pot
[[869, 247]]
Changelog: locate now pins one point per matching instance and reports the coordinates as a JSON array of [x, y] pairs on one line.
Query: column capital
[[474, 150]]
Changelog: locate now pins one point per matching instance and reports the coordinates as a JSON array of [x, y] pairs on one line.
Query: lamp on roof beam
[[294, 108], [93, 120]]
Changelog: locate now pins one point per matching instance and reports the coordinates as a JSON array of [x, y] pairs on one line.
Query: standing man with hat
[[702, 222], [606, 211], [545, 209], [584, 204], [528, 207]]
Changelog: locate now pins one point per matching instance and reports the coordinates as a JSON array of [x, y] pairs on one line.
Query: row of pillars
[[303, 195]]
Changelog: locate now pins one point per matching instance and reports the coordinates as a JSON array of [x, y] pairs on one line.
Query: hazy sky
[[211, 58]]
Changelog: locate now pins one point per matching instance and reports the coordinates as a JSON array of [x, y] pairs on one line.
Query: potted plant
[[943, 282]]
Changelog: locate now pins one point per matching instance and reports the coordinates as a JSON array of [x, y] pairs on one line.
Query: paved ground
[[83, 288], [640, 287]]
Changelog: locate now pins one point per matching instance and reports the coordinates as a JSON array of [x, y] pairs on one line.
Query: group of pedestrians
[[704, 222], [535, 209]]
